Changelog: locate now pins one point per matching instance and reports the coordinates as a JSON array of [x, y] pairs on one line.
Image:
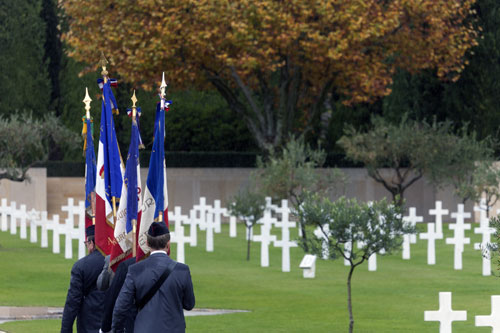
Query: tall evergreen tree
[[23, 72]]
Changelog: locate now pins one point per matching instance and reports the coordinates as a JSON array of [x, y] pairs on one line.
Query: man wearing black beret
[[84, 302], [159, 287]]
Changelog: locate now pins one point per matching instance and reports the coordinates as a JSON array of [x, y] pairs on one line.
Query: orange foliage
[[357, 43], [352, 47]]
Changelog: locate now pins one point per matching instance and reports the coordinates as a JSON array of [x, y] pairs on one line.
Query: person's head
[[90, 238], [158, 236]]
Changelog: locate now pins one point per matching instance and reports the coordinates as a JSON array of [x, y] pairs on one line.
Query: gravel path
[[11, 313]]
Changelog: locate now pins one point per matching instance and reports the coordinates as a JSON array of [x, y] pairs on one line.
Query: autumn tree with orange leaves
[[275, 62]]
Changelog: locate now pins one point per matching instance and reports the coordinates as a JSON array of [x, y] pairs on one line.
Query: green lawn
[[392, 299]]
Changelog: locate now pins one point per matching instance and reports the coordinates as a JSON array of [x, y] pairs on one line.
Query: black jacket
[[164, 312], [112, 294], [84, 302]]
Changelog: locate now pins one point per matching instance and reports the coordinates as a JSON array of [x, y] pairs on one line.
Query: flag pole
[[163, 86], [87, 101], [104, 62], [134, 221]]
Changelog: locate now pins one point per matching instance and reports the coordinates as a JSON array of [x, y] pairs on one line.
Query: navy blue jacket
[[164, 312], [112, 294], [84, 302]]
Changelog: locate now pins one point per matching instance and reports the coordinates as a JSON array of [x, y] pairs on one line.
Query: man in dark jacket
[[164, 310], [111, 295], [84, 302]]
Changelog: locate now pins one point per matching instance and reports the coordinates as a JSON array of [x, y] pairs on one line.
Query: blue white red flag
[[90, 174], [155, 201], [129, 211], [109, 179]]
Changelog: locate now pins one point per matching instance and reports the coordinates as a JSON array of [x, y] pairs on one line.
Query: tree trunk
[[349, 300]]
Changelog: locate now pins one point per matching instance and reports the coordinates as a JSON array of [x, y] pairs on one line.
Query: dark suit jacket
[[164, 312], [112, 294], [84, 301]]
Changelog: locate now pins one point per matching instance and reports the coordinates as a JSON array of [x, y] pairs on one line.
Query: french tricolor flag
[[109, 177], [129, 211], [155, 201]]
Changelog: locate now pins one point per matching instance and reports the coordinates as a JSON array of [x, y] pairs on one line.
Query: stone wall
[[186, 185]]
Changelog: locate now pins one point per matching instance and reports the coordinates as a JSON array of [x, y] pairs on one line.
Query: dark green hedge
[[187, 160]]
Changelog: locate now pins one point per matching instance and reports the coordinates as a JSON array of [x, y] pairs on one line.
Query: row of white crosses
[[208, 218], [435, 232], [10, 216], [446, 316]]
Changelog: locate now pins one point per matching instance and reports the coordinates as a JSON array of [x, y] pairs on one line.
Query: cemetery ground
[[391, 299]]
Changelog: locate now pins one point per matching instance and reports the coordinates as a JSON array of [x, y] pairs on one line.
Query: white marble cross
[[55, 227], [23, 215], [218, 212], [232, 226], [210, 227], [177, 236], [285, 224], [13, 218], [5, 210], [347, 252], [33, 218], [203, 209], [459, 238], [412, 220], [439, 212], [323, 235], [193, 222], [482, 209], [486, 232], [493, 320], [70, 231], [265, 238], [431, 237], [372, 260], [44, 242], [445, 315]]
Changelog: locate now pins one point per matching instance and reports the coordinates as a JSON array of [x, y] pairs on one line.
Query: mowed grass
[[392, 299]]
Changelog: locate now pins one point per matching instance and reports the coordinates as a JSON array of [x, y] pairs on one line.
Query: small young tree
[[291, 172], [412, 149], [377, 225], [248, 206], [25, 141]]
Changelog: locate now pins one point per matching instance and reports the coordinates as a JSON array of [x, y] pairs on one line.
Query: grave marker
[[308, 264], [23, 215], [177, 235], [218, 212], [439, 212], [431, 237], [493, 320], [4, 211], [33, 217], [323, 234], [445, 315], [285, 242], [13, 218], [412, 220], [265, 238], [459, 238], [232, 226]]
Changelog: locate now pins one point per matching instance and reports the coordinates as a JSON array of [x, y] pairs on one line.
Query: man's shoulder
[[92, 258]]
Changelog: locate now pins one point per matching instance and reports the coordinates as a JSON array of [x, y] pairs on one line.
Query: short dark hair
[[158, 242], [91, 239]]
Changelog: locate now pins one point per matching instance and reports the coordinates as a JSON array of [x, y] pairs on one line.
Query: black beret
[[158, 229], [90, 231]]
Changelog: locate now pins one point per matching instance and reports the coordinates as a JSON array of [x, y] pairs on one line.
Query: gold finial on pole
[[103, 62], [163, 86], [134, 109], [87, 101]]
